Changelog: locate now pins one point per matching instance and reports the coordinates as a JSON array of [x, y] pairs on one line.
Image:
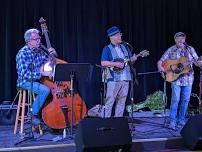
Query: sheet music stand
[[71, 72]]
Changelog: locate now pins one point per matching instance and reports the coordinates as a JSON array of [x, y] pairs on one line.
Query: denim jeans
[[183, 93], [42, 92]]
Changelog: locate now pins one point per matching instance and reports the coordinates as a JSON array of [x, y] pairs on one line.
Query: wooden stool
[[24, 102]]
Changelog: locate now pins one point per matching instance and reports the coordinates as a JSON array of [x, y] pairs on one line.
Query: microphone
[[124, 42], [128, 44], [43, 47], [186, 45]]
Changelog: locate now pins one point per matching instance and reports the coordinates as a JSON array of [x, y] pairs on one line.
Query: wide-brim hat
[[179, 34], [113, 30]]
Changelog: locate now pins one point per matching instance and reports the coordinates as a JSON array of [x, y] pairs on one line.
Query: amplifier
[[7, 114]]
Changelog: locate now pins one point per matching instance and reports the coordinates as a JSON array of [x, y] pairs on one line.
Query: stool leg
[[23, 101], [18, 111], [23, 112]]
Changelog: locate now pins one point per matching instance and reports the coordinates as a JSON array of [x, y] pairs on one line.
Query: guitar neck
[[138, 55], [187, 63]]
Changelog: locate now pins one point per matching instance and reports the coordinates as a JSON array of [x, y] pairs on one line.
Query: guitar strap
[[187, 53]]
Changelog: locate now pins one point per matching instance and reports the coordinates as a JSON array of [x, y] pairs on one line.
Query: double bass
[[56, 113]]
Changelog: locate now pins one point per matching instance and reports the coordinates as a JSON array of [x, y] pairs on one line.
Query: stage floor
[[148, 134]]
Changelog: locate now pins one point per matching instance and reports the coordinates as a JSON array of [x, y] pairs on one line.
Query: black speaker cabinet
[[192, 133], [103, 135], [7, 114]]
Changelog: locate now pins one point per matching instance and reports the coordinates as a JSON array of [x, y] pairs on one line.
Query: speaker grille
[[103, 134]]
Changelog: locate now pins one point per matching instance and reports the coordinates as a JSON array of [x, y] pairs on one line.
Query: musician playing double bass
[[181, 86], [117, 81], [29, 61]]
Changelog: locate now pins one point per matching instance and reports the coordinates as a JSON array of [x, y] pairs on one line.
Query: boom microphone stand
[[30, 99], [164, 98], [104, 80], [164, 91], [132, 96], [188, 48], [104, 91], [133, 76]]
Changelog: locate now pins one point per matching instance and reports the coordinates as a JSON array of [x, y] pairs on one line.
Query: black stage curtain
[[77, 29]]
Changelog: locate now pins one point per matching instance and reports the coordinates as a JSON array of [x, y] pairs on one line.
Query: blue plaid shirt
[[28, 63]]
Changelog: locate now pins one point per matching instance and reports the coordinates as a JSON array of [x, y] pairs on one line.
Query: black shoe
[[180, 125], [172, 126]]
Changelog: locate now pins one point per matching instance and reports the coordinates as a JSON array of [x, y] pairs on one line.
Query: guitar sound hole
[[178, 69]]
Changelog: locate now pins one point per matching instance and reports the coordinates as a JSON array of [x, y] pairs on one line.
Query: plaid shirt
[[28, 63], [175, 53]]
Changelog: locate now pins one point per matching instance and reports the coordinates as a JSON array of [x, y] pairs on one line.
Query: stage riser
[[137, 146]]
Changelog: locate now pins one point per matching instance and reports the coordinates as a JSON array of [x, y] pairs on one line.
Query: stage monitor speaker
[[192, 133], [103, 135]]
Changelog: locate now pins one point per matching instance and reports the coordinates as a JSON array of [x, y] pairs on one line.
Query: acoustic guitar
[[175, 68], [142, 54]]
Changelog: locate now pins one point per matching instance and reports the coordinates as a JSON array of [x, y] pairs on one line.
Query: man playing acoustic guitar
[[176, 63]]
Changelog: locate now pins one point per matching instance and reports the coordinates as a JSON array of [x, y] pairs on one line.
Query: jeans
[[185, 92], [42, 92]]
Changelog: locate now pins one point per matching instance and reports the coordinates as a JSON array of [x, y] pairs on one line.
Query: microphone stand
[[164, 99], [132, 97], [104, 90], [12, 104], [30, 99], [31, 134], [103, 97], [188, 48], [133, 76]]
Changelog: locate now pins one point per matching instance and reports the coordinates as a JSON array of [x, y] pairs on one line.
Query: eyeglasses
[[35, 39], [118, 34]]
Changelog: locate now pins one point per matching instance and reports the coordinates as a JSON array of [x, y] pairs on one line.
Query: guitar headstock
[[44, 27], [144, 53]]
